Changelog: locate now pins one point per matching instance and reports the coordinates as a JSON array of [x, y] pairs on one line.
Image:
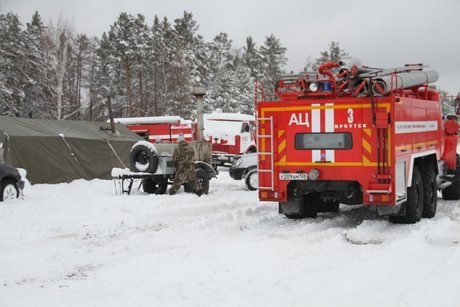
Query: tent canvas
[[55, 151]]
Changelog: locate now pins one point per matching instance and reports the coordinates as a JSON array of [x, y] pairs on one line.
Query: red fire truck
[[160, 128], [229, 134], [357, 136]]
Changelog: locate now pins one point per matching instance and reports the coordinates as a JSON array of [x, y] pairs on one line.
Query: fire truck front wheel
[[414, 204]]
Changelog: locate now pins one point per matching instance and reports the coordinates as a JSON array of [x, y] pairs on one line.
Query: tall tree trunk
[[61, 67], [91, 93], [155, 93], [128, 87], [78, 83], [141, 92]]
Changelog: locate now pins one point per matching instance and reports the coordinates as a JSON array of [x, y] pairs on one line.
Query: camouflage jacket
[[184, 156]]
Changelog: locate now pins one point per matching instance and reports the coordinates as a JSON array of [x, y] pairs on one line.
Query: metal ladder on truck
[[265, 140]]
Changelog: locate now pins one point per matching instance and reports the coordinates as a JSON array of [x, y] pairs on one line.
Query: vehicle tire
[[143, 159], [329, 206], [430, 189], [414, 203], [203, 180], [252, 180], [295, 216], [310, 205], [8, 190], [155, 186], [452, 192], [162, 186]]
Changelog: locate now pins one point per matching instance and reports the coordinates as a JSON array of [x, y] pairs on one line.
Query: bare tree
[[59, 38]]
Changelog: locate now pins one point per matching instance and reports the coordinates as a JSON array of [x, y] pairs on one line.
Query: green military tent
[[53, 151]]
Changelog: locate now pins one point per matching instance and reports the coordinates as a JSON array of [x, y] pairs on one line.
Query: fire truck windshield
[[323, 141]]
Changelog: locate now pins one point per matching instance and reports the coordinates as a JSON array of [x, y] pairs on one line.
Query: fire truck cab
[[230, 134], [357, 136]]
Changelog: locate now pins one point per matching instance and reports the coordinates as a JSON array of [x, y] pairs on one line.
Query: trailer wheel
[[143, 159], [430, 197], [203, 180], [8, 190], [414, 203], [155, 186], [252, 180], [453, 192]]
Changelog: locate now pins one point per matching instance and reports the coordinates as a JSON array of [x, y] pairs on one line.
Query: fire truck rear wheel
[[310, 205], [414, 203], [453, 192], [430, 192], [329, 206], [143, 159]]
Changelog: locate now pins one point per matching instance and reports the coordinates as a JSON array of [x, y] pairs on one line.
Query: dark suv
[[11, 183]]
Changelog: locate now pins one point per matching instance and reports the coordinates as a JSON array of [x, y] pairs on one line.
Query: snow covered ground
[[79, 244]]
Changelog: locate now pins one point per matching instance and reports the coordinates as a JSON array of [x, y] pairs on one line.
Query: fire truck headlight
[[313, 174], [313, 87]]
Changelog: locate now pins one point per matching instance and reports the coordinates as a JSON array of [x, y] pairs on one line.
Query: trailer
[[152, 163], [152, 166]]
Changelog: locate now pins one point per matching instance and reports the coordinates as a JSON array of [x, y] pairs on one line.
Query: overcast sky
[[386, 33]]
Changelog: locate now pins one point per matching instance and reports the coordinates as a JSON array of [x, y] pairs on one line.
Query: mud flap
[[291, 207], [397, 210]]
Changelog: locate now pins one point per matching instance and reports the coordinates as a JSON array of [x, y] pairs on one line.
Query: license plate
[[295, 176]]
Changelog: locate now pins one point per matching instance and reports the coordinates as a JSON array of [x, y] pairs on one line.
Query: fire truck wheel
[[414, 203], [453, 192], [252, 180], [154, 186], [310, 205], [143, 159], [329, 206], [430, 197]]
